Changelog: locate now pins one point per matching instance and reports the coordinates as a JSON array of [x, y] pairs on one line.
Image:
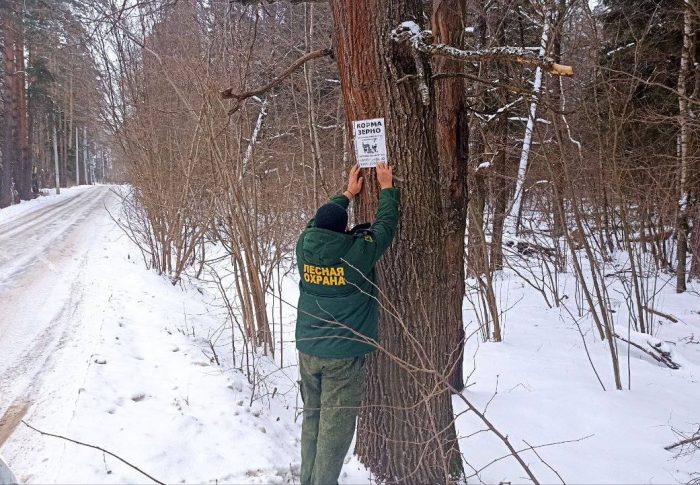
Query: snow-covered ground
[[548, 393], [128, 367], [128, 374]]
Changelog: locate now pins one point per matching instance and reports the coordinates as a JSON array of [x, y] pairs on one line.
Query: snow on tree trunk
[[683, 201], [254, 138], [514, 214]]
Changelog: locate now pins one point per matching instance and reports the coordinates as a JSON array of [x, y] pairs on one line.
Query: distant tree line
[[49, 95]]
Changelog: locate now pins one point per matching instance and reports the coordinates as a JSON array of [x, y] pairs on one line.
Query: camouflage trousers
[[332, 393]]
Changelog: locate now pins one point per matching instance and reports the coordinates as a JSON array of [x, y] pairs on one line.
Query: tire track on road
[[20, 223], [35, 329], [12, 264], [12, 417]]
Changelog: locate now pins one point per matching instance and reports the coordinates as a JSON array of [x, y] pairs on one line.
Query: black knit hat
[[332, 216]]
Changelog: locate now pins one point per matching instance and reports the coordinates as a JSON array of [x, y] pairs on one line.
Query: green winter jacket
[[337, 289]]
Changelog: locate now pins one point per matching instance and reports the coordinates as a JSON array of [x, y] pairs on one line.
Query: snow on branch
[[254, 138], [653, 347], [502, 109], [618, 49], [422, 41]]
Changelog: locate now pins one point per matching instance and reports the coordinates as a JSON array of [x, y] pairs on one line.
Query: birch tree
[[683, 142], [514, 212]]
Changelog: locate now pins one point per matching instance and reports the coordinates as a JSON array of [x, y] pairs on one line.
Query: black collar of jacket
[[361, 230]]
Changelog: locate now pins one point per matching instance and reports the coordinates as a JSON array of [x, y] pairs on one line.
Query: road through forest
[[43, 256], [96, 348]]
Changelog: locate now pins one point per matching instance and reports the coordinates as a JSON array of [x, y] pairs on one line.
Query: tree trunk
[[497, 102], [515, 211], [14, 154], [684, 198], [500, 185], [57, 169], [477, 258], [85, 157], [452, 125], [77, 158], [405, 428], [695, 244], [63, 148], [6, 132], [23, 175], [33, 146]]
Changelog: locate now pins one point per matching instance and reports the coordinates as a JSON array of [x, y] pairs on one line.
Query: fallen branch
[[687, 441], [422, 41], [655, 353], [667, 316], [94, 447], [240, 97]]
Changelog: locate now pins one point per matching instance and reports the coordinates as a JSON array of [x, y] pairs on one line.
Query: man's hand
[[385, 176], [354, 182]]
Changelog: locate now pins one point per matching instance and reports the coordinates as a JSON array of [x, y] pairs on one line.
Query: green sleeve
[[386, 220], [339, 199]]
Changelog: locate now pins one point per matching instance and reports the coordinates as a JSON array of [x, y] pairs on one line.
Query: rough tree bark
[[452, 125], [405, 428]]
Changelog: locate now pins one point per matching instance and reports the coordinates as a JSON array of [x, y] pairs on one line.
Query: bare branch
[[94, 447], [667, 316], [239, 97], [532, 448], [686, 441], [691, 440]]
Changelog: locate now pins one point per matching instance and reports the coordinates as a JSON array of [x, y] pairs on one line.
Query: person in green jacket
[[337, 321]]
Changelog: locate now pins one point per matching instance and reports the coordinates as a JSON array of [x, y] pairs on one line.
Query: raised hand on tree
[[385, 176], [354, 183]]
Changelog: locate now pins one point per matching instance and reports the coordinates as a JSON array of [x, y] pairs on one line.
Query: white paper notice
[[370, 142]]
